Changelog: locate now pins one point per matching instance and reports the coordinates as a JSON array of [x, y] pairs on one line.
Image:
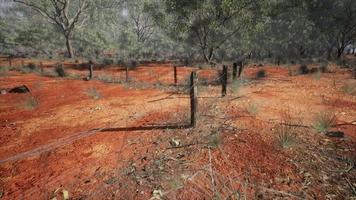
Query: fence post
[[224, 81], [91, 70], [127, 74], [193, 99], [240, 63], [234, 71], [175, 75], [10, 61], [23, 63]]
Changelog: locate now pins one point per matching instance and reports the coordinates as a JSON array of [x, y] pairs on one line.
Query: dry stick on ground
[[351, 186], [212, 173]]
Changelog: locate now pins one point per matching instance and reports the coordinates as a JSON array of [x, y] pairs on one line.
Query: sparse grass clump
[[287, 129], [285, 137], [349, 89], [60, 71], [30, 68], [261, 73], [324, 121], [324, 68], [3, 70], [236, 85], [30, 103], [92, 92], [252, 108]]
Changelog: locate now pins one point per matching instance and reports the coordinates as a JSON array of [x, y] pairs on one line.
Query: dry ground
[[100, 140]]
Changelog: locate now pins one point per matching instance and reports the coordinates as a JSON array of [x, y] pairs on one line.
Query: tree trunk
[[339, 52], [69, 46], [209, 56]]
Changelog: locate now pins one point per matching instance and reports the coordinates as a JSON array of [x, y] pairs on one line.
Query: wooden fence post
[[10, 61], [91, 70], [240, 63], [234, 71], [127, 74], [23, 63], [224, 81], [193, 99], [175, 75]]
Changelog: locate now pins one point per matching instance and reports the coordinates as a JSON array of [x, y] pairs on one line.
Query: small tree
[[66, 15]]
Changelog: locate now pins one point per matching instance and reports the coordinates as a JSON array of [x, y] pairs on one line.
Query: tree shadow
[[147, 128]]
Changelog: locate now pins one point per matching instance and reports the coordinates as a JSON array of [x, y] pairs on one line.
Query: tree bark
[[69, 46]]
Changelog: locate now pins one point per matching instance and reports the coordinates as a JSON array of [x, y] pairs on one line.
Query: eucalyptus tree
[[66, 15], [205, 24]]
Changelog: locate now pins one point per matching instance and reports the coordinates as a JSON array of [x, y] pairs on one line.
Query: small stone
[[3, 92], [175, 142]]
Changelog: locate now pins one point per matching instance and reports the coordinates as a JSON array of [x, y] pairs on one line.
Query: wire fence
[[165, 109]]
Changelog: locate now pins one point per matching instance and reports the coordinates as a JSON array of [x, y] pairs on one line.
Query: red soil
[[91, 165]]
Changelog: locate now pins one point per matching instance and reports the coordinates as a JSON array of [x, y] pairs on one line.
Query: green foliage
[[30, 68], [30, 103], [93, 93], [3, 70], [261, 73], [324, 121], [349, 89], [236, 85], [60, 71]]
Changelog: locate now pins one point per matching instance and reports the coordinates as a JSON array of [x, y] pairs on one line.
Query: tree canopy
[[207, 30]]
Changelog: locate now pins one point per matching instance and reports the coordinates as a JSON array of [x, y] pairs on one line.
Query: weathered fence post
[[224, 81], [193, 99], [127, 74], [10, 60], [175, 75], [240, 64], [91, 70], [22, 63], [234, 71]]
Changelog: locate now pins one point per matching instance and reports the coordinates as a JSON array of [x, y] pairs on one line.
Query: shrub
[[303, 69], [252, 109], [317, 75], [3, 70], [342, 63], [30, 67], [107, 61], [236, 85], [349, 89], [323, 68], [92, 92], [324, 121], [30, 103], [287, 130], [285, 136], [131, 64], [261, 73], [60, 71]]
